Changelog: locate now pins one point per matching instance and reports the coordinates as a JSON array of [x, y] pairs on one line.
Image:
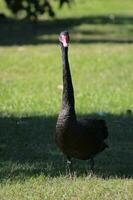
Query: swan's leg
[[91, 167], [69, 165], [92, 164]]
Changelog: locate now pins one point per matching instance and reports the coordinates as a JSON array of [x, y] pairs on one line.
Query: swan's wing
[[95, 127]]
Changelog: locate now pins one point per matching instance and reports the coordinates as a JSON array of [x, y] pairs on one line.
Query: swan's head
[[64, 38]]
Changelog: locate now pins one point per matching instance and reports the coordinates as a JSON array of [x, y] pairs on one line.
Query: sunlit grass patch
[[100, 53]]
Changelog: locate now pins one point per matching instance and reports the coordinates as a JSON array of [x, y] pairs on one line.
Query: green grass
[[31, 166]]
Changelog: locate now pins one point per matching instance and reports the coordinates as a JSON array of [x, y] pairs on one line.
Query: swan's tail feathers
[[104, 146], [103, 128]]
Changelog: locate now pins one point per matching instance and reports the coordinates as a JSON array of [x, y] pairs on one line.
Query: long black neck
[[68, 92]]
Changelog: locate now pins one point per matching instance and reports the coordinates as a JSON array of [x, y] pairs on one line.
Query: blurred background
[[39, 21], [101, 57]]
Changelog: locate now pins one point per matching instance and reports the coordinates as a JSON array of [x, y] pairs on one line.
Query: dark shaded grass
[[27, 149], [14, 32]]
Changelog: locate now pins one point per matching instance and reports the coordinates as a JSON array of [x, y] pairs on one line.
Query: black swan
[[83, 138]]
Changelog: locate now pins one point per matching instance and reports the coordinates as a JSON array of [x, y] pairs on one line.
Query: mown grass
[[64, 188], [31, 167]]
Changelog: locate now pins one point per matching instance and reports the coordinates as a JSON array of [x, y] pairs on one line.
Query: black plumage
[[76, 138]]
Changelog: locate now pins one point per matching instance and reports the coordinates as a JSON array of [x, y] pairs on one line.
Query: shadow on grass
[[27, 149], [14, 32]]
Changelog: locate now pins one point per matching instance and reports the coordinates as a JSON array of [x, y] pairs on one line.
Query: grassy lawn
[[101, 60]]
